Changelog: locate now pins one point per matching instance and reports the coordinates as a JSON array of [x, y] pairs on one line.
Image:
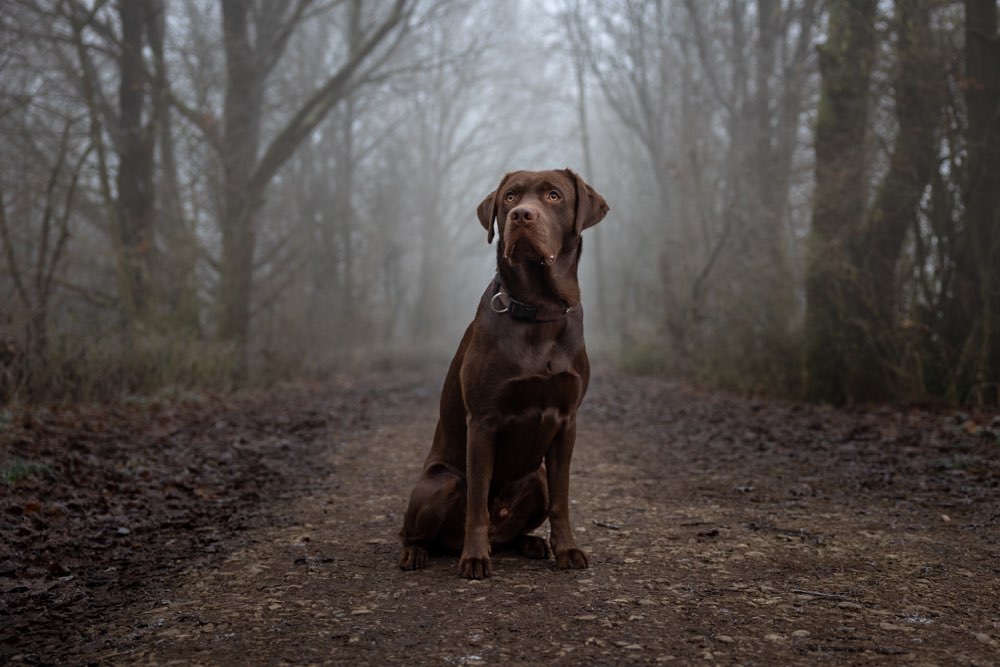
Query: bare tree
[[34, 278], [715, 95], [255, 36]]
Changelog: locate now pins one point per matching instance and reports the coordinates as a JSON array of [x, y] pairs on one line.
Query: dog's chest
[[557, 393], [541, 361], [535, 410]]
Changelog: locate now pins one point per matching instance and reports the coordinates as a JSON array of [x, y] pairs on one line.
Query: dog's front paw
[[573, 558], [475, 567]]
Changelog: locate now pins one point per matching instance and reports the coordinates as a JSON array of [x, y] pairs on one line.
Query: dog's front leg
[[480, 450], [557, 460]]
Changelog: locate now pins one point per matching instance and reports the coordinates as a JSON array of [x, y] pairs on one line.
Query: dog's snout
[[523, 215]]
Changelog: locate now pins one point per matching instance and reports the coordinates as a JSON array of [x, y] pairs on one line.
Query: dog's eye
[[509, 197], [554, 195]]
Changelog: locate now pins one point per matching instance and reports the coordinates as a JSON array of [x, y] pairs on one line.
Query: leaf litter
[[263, 528]]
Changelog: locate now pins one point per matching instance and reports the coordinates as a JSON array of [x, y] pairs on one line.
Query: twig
[[609, 526], [832, 596]]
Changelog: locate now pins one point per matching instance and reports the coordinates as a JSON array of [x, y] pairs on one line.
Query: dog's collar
[[502, 302]]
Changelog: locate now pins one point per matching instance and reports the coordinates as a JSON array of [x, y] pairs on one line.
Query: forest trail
[[720, 530]]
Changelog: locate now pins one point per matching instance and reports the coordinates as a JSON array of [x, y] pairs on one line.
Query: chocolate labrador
[[499, 465]]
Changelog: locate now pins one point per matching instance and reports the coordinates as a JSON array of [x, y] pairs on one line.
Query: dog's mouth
[[521, 246]]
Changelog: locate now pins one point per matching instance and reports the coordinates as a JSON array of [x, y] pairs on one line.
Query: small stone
[[984, 638], [360, 611], [773, 637], [800, 633], [587, 617], [725, 639], [849, 605], [894, 628]]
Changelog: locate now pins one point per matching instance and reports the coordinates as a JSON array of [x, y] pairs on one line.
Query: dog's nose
[[523, 215]]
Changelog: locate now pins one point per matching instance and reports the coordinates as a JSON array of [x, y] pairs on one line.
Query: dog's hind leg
[[435, 517]]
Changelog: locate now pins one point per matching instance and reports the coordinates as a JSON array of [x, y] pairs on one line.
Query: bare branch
[[46, 286], [270, 53], [8, 247], [703, 51], [320, 103], [203, 120]]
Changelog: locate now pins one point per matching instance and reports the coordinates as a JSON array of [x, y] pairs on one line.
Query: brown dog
[[499, 465]]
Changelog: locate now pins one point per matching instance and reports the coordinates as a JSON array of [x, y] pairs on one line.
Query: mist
[[220, 194]]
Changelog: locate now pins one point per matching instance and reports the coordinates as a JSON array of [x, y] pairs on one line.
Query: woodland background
[[805, 194]]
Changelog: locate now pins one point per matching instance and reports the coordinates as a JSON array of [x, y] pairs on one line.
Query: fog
[[202, 193]]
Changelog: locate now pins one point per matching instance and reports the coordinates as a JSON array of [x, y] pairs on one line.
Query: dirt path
[[720, 530]]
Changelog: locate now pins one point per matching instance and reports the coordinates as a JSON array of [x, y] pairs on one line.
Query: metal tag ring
[[493, 304]]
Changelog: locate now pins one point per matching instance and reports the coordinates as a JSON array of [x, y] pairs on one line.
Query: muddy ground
[[262, 529]]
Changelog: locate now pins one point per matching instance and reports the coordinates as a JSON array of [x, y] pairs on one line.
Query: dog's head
[[540, 214]]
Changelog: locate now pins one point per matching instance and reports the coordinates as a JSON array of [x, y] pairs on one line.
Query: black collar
[[502, 302]]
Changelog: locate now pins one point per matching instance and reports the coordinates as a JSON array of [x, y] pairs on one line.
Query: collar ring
[[493, 303]]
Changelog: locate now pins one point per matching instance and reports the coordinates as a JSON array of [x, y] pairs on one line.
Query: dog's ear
[[590, 206], [487, 212]]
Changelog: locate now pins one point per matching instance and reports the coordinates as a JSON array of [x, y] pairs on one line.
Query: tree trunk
[[770, 181], [845, 63], [135, 169], [347, 311], [914, 157], [242, 117], [176, 290], [975, 321], [579, 67]]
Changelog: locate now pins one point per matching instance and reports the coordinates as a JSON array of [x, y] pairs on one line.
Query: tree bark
[[135, 168], [975, 319], [580, 71], [845, 63], [176, 292], [919, 99], [240, 142]]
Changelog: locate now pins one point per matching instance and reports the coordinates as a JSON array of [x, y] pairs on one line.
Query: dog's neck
[[549, 287]]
